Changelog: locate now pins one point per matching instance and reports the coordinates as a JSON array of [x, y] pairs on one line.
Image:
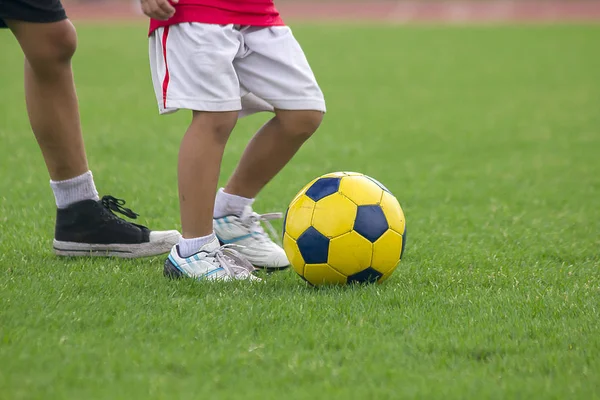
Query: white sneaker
[[212, 262], [255, 244]]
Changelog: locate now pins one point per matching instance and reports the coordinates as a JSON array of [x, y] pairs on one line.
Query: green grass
[[489, 137]]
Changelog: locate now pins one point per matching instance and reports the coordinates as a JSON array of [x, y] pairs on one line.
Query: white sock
[[76, 189], [188, 247], [230, 204]]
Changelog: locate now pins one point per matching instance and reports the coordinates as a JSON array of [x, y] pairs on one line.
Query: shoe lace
[[112, 204], [236, 266], [254, 222]]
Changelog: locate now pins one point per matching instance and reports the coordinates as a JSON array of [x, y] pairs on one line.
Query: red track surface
[[388, 11]]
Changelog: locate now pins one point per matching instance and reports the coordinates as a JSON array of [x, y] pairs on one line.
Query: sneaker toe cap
[[167, 237], [278, 260]]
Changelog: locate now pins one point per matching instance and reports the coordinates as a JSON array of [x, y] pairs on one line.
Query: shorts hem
[[200, 105], [33, 19], [173, 105], [315, 104]]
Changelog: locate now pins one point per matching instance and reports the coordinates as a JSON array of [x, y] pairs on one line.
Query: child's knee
[[57, 47], [217, 124], [300, 124]]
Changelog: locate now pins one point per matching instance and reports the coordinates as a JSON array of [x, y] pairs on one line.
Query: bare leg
[[200, 159], [84, 227], [50, 95], [271, 149]]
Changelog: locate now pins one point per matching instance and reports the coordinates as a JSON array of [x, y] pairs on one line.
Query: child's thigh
[[276, 70], [192, 67]]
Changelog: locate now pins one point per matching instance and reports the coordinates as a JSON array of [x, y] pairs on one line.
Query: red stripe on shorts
[[165, 84]]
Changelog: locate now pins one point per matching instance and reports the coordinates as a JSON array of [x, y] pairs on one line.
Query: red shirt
[[223, 12]]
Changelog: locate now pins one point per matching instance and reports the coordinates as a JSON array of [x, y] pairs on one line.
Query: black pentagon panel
[[323, 188], [379, 184], [403, 242], [313, 246], [370, 222], [368, 275]]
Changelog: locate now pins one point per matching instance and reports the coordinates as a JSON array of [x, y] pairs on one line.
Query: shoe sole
[[74, 249], [271, 269], [171, 271]]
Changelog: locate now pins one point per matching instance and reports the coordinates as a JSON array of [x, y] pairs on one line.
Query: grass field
[[489, 137]]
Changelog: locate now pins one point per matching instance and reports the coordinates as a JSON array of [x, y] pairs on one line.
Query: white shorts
[[205, 67]]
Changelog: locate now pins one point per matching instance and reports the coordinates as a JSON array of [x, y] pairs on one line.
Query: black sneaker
[[89, 228]]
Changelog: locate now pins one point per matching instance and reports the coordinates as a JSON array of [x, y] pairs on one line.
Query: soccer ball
[[344, 227]]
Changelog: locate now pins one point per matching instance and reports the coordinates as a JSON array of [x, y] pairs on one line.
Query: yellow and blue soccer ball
[[344, 227]]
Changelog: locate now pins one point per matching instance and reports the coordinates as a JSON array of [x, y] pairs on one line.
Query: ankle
[[230, 204], [74, 190], [190, 246]]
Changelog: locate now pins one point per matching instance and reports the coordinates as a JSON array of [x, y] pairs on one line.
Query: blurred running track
[[492, 11]]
